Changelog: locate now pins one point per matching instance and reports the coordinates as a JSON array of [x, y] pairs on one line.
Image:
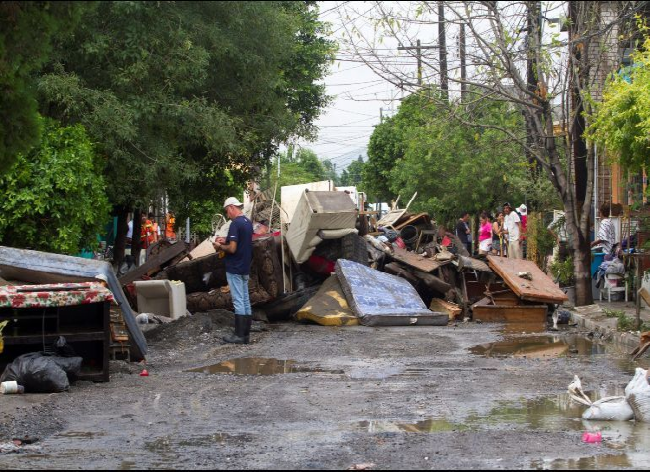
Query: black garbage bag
[[41, 373]]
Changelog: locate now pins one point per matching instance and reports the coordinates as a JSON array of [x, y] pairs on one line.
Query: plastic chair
[[611, 284]]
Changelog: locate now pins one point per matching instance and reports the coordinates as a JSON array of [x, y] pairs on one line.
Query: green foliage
[[303, 168], [563, 272], [173, 92], [625, 323], [54, 196], [26, 30], [453, 167], [622, 121], [353, 175]]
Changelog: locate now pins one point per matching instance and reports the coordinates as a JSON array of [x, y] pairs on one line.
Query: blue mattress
[[380, 299]]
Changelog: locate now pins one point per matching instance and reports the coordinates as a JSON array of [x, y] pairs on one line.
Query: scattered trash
[[2, 343], [144, 373], [525, 275], [41, 373], [11, 387], [365, 466], [605, 409], [644, 344], [592, 438], [637, 394]]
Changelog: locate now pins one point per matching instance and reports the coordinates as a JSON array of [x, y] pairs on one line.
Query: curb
[[607, 330]]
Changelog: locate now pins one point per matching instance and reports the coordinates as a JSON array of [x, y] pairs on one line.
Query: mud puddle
[[540, 347], [260, 366], [626, 443]]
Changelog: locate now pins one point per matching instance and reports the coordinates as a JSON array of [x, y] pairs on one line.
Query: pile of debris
[[320, 256]]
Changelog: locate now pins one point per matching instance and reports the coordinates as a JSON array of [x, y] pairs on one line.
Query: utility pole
[[418, 52], [463, 65], [442, 41], [533, 37]]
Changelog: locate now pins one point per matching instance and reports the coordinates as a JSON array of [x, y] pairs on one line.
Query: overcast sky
[[346, 125], [359, 92]]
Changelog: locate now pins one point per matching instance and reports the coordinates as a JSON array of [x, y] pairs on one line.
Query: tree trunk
[[581, 267], [120, 238]]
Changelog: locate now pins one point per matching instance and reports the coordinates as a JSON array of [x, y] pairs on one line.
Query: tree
[[26, 31], [303, 168], [353, 175], [455, 168], [173, 92], [499, 48], [622, 120], [54, 196]]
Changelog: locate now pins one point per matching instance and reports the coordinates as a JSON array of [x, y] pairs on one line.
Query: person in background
[[523, 216], [146, 233], [154, 227], [606, 233], [485, 235], [170, 222], [238, 247], [512, 228], [497, 235], [463, 232]]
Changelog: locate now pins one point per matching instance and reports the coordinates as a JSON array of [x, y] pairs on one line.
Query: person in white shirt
[[606, 233], [512, 229]]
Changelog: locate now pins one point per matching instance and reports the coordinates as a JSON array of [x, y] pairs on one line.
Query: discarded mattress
[[47, 268], [380, 299], [328, 307]]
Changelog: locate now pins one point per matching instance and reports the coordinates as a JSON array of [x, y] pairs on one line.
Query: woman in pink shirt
[[485, 235]]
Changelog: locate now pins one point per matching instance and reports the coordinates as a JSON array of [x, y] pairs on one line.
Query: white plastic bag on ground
[[637, 394], [605, 409]]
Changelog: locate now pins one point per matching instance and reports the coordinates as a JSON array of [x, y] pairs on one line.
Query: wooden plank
[[154, 263], [444, 306], [413, 219], [540, 289], [425, 264], [487, 312]]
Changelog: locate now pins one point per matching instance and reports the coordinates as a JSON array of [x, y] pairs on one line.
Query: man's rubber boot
[[240, 335]]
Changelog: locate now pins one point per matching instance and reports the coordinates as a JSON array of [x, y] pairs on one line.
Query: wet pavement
[[311, 397]]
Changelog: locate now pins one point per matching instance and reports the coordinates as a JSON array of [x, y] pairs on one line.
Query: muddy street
[[313, 397]]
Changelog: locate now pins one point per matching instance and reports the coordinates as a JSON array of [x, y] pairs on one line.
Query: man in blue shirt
[[238, 247]]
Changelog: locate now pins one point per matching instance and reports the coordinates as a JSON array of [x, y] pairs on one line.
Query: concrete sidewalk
[[593, 318]]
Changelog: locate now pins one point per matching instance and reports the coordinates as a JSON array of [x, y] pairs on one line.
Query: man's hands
[[217, 244]]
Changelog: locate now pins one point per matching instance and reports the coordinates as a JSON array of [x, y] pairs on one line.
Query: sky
[[358, 94]]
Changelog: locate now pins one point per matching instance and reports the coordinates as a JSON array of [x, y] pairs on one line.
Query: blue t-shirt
[[241, 230]]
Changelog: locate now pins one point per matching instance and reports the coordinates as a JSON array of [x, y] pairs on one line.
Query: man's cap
[[232, 201], [522, 209], [102, 277], [506, 204]]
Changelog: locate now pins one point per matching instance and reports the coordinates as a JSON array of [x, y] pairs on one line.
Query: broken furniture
[[380, 299], [42, 267], [526, 297], [540, 289], [613, 283], [319, 216], [161, 297], [39, 314]]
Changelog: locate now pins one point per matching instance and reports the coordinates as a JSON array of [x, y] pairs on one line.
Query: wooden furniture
[[84, 326]]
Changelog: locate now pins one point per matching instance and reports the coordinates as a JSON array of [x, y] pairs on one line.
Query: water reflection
[[259, 366]]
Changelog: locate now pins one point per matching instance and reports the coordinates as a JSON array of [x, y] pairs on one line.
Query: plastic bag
[[637, 394], [605, 409], [40, 373]]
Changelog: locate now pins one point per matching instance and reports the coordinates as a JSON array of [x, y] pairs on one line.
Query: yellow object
[[328, 307], [2, 342]]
